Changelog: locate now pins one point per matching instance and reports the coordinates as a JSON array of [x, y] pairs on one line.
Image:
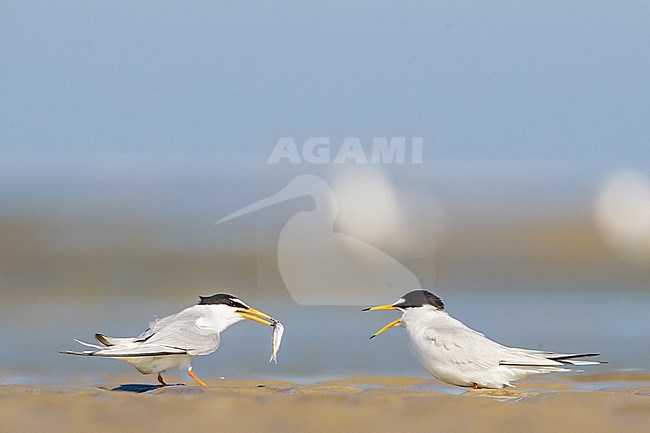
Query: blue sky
[[552, 81]]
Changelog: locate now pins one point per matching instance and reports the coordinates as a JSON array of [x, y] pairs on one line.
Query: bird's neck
[[217, 318], [423, 317]]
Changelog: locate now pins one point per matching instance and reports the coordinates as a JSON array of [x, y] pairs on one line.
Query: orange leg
[[160, 379], [193, 376], [475, 386]]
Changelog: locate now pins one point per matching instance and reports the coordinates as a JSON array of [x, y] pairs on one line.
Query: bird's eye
[[235, 304]]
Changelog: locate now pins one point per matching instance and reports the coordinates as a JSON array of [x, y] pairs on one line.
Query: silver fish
[[278, 330]]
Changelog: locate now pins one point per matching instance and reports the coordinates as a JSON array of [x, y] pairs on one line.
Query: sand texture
[[375, 404]]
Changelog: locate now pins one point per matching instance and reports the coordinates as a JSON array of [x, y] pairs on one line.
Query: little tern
[[172, 342], [458, 355]]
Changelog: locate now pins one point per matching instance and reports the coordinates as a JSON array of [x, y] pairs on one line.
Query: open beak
[[256, 316], [387, 327]]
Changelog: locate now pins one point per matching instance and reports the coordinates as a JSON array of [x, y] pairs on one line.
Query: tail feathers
[[94, 346], [571, 358], [112, 341], [580, 362], [127, 350], [107, 353], [84, 352], [72, 352], [556, 359]]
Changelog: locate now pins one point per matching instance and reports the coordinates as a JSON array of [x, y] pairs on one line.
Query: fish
[[278, 331]]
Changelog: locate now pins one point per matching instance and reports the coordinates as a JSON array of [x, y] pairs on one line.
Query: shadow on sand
[[139, 388]]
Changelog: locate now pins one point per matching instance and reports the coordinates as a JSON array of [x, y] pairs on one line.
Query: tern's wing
[[456, 343], [463, 347], [184, 331], [129, 351]]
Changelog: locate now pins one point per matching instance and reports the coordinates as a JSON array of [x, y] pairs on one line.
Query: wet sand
[[594, 403]]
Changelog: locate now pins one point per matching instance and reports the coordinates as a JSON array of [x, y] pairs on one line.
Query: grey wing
[[182, 331], [463, 346], [128, 351]]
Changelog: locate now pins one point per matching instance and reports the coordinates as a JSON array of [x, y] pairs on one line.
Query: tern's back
[[192, 329]]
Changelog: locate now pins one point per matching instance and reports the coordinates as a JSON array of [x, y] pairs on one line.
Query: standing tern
[[172, 342], [458, 355]]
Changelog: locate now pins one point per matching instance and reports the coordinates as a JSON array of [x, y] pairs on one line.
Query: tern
[[172, 342], [458, 355]]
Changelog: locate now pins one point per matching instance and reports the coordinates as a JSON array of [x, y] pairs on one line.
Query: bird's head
[[417, 301], [231, 310]]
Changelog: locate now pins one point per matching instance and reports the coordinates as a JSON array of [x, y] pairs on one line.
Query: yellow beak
[[256, 316], [387, 327], [380, 307]]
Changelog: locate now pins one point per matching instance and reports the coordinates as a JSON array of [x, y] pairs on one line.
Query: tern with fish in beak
[[458, 355], [172, 342]]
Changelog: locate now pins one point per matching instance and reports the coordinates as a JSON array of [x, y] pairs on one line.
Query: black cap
[[419, 298], [224, 299]]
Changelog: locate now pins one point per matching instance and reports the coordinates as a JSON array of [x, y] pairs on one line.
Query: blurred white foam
[[622, 214], [372, 209], [368, 206]]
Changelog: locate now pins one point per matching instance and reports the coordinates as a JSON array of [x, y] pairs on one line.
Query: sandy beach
[[617, 402]]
